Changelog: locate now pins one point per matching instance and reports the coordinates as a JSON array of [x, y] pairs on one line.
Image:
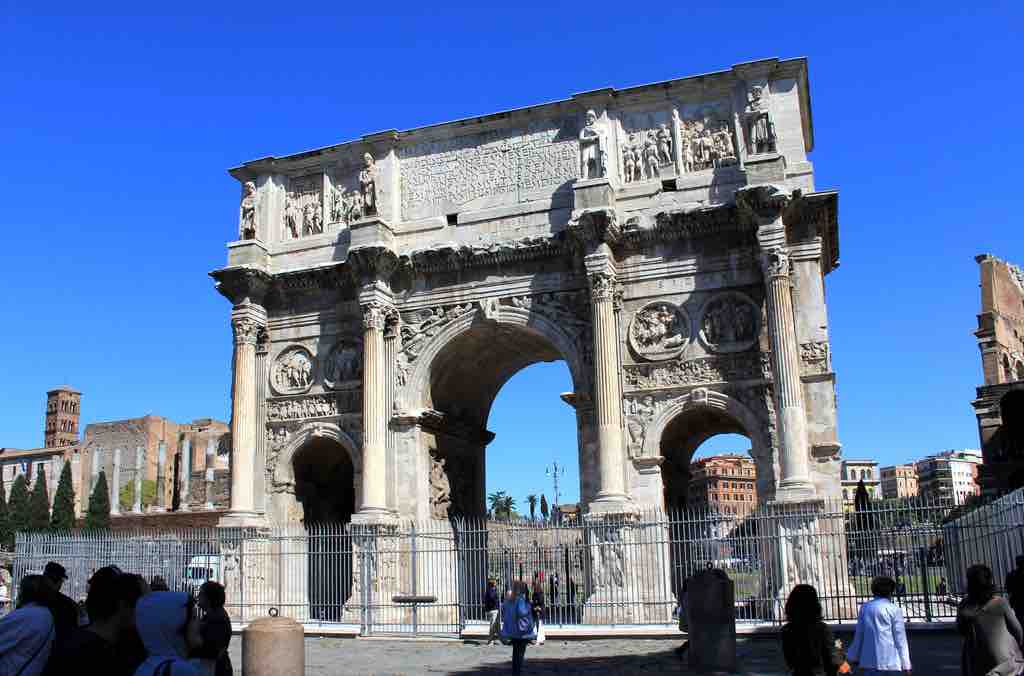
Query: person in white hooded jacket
[[163, 619]]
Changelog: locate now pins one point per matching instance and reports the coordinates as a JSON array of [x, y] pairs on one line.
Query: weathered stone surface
[[273, 646], [711, 618]]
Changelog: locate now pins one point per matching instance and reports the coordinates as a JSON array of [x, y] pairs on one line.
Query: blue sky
[[117, 128]]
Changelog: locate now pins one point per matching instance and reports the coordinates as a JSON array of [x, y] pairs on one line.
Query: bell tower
[[63, 410]]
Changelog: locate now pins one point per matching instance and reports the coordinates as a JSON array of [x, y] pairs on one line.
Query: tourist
[[517, 623], [1015, 588], [992, 634], [164, 620], [880, 642], [66, 613], [111, 604], [537, 606], [214, 631], [27, 634], [491, 603], [943, 588], [807, 643]]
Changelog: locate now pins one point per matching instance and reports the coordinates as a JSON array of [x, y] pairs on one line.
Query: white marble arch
[[751, 425], [283, 506]]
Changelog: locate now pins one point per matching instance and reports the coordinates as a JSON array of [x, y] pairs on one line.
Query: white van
[[200, 569]]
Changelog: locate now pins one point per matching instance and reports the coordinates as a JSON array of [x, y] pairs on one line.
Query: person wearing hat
[[65, 611]]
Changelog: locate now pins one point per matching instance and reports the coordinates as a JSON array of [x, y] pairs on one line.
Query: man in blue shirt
[[880, 644]]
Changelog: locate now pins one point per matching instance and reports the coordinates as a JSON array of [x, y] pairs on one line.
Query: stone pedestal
[[711, 621], [629, 570], [273, 646]]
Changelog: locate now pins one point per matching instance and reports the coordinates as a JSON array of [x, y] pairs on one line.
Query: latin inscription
[[458, 170]]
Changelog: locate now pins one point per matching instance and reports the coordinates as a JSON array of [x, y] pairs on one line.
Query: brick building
[[63, 412], [999, 404], [899, 481], [723, 484], [950, 475]]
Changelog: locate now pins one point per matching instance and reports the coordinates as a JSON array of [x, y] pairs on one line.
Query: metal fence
[[622, 570]]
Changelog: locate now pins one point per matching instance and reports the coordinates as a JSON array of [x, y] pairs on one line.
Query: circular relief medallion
[[729, 323], [344, 365], [293, 370], [659, 330]]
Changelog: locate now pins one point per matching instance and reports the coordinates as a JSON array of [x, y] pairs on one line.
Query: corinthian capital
[[246, 330], [602, 286], [775, 262], [377, 315]]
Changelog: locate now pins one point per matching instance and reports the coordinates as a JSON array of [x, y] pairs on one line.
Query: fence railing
[[618, 570]]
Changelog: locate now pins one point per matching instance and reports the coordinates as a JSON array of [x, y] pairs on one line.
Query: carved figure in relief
[[651, 157], [729, 321], [440, 488], [658, 330], [311, 219], [706, 143], [292, 217], [664, 144], [628, 164], [593, 153], [247, 227], [344, 364], [368, 185], [760, 130], [641, 414], [293, 371]]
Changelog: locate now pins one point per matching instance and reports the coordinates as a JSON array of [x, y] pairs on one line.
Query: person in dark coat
[[491, 603], [1015, 588], [65, 611], [214, 629], [807, 643]]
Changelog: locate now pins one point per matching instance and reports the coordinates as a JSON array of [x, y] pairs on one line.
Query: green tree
[[496, 500], [98, 516], [39, 504], [6, 534], [63, 517], [543, 507], [532, 499], [17, 507], [127, 496]]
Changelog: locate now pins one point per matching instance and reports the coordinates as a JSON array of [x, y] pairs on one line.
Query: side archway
[[682, 424], [316, 476]]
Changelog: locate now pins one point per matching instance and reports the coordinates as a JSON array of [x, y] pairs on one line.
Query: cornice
[[458, 256]]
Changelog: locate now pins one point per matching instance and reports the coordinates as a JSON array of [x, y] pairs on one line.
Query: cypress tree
[[6, 535], [17, 507], [98, 516], [39, 504], [63, 517]]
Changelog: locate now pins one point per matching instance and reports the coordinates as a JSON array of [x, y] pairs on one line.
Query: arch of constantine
[[666, 241]]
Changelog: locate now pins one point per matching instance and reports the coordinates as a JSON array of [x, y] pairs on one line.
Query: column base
[[241, 520], [373, 515], [611, 503], [795, 490]]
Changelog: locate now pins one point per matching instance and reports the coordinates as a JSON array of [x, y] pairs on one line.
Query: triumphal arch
[[667, 241]]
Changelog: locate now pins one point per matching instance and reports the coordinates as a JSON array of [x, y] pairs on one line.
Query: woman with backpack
[[517, 623], [991, 631]]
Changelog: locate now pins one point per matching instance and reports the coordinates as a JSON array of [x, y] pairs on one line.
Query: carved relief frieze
[[457, 170], [314, 406], [608, 559], [729, 322], [745, 366], [343, 367], [293, 371], [440, 487], [815, 357], [659, 330], [647, 145], [706, 138], [639, 414], [758, 123], [303, 207]]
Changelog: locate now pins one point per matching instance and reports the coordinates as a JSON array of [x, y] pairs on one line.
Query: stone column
[[247, 321], [140, 471], [185, 474], [375, 410], [97, 461], [260, 462], [211, 463], [795, 478], [115, 484], [607, 394]]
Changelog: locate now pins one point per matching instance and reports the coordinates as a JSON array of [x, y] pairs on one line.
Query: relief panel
[[706, 137], [303, 207]]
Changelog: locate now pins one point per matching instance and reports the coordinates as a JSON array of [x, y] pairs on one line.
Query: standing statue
[[593, 153], [440, 488], [368, 186], [651, 157], [247, 227], [664, 144], [760, 130]]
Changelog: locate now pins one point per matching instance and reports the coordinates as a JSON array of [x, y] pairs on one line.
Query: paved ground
[[934, 653]]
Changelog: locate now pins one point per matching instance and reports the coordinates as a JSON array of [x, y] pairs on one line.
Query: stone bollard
[[273, 646], [711, 615]]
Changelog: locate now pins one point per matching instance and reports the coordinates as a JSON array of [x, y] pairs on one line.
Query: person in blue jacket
[[517, 623]]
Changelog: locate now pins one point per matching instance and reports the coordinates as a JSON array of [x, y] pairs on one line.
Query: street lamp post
[[554, 471]]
